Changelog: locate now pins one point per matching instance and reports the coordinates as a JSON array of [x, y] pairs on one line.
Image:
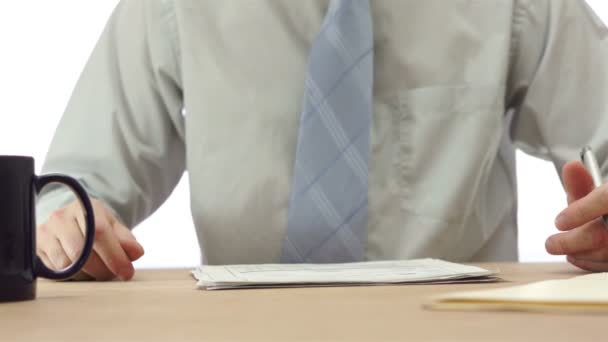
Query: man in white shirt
[[215, 88]]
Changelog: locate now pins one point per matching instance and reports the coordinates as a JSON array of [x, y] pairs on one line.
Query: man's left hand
[[585, 238]]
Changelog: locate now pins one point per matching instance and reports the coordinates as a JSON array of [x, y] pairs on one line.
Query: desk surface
[[164, 305]]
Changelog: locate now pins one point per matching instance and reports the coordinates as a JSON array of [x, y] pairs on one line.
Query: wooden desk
[[163, 305]]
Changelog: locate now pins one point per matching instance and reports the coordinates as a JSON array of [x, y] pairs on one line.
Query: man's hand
[[60, 241], [585, 239]]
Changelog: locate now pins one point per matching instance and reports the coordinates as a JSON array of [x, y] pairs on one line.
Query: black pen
[[588, 159]]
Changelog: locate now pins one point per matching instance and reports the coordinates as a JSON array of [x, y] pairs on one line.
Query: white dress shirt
[[215, 88]]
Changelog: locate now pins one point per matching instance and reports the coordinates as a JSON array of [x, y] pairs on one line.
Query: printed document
[[358, 273]]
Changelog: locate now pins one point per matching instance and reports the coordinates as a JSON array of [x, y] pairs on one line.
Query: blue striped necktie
[[327, 215]]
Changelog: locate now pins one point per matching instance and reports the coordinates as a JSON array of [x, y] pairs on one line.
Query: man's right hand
[[60, 241]]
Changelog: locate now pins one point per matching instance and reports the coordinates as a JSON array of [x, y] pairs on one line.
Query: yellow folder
[[582, 294]]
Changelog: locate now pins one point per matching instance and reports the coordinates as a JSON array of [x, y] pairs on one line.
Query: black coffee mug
[[19, 264]]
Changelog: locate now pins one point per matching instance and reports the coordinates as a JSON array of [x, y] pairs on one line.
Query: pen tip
[[585, 149]]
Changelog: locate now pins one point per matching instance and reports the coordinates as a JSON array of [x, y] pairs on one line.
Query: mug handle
[[40, 268]]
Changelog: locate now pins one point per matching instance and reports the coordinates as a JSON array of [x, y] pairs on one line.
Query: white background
[[43, 47]]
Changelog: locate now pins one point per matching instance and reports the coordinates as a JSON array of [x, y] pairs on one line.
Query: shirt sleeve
[[558, 80], [122, 133]]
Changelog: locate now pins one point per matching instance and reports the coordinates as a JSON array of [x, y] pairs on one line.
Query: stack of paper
[[360, 273], [588, 294]]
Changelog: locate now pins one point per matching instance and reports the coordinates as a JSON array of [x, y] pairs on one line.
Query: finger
[[596, 255], [128, 241], [49, 245], [70, 237], [96, 269], [45, 259], [585, 238], [587, 265], [585, 209], [111, 253], [41, 243], [58, 257], [106, 244], [577, 181], [72, 240]]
